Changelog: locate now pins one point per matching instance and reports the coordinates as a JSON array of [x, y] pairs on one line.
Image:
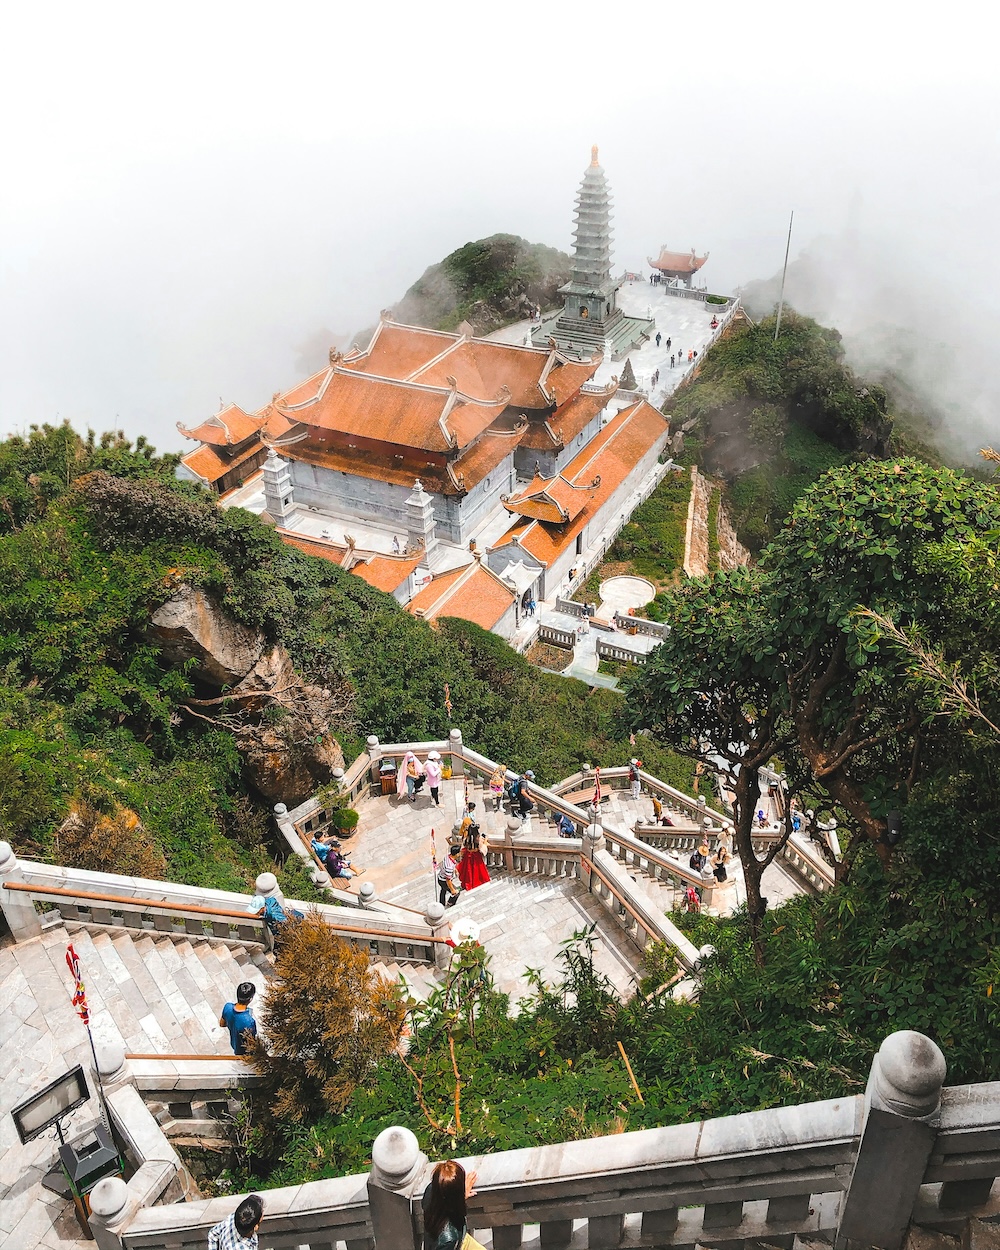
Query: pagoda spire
[[592, 236]]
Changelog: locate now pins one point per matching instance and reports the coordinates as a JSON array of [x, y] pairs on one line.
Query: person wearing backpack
[[699, 858], [519, 794]]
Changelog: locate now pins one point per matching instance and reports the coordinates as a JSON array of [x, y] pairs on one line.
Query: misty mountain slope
[[919, 337], [489, 283], [770, 417]]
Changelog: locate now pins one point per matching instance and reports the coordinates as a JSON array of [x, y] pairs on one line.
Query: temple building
[[591, 320], [464, 476], [678, 266]]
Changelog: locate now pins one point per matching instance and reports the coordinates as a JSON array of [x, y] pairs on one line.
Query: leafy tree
[[328, 1019]]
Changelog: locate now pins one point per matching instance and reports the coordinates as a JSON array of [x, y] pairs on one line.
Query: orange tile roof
[[472, 593], [396, 351], [567, 376], [566, 422], [227, 428], [210, 464], [678, 262], [322, 548], [403, 414], [551, 499], [387, 572], [611, 456], [479, 460]]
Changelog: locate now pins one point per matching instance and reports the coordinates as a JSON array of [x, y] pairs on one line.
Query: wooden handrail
[[129, 903], [187, 1058], [137, 904]]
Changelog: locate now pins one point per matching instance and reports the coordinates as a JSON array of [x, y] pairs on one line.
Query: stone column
[[398, 1166], [111, 1209], [455, 745], [366, 894], [439, 926], [902, 1110], [420, 525], [593, 841], [18, 909]]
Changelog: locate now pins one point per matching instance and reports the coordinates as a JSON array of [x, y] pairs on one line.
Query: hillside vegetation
[[92, 720], [769, 417], [489, 283]]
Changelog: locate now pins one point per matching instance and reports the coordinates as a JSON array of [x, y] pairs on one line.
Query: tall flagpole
[[83, 1011], [781, 298]]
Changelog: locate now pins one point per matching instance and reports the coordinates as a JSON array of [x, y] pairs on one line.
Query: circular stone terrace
[[622, 594], [541, 889]]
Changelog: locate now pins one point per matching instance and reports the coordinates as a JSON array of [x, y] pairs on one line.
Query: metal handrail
[[128, 903]]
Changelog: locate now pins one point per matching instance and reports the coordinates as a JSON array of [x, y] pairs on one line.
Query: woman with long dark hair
[[443, 1204]]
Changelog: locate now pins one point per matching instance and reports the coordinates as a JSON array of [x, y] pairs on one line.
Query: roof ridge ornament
[[593, 157]]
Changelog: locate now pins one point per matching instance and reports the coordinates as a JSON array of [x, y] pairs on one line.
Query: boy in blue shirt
[[238, 1018]]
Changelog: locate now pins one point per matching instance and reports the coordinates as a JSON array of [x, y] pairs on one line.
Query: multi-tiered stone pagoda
[[591, 319]]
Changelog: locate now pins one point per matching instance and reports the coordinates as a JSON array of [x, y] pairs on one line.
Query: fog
[[197, 199]]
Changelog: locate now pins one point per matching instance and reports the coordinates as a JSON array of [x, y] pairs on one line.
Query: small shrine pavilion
[[680, 266]]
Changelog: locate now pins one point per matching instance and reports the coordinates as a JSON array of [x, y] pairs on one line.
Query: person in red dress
[[472, 870]]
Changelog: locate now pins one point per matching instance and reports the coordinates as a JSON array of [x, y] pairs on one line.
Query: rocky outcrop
[[732, 553], [281, 723], [192, 625]]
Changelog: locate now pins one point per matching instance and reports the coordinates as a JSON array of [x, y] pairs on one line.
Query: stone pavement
[[523, 918], [148, 993]]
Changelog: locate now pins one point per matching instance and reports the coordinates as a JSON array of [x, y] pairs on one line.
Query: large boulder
[[191, 625], [285, 757]]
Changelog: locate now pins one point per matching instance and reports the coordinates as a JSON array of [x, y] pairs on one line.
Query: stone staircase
[[160, 993]]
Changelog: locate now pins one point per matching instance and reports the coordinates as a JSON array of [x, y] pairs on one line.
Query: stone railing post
[[111, 1208], [112, 1065], [267, 886], [366, 895], [512, 828], [902, 1109], [592, 842], [374, 749], [18, 909], [455, 748], [435, 918], [398, 1166]]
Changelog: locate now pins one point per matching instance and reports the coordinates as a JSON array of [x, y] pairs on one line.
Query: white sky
[[192, 192]]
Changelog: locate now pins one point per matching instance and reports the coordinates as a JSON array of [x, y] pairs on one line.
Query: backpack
[[471, 839], [697, 861]]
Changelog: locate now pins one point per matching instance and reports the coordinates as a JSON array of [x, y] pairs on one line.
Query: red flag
[[79, 992], [597, 789]]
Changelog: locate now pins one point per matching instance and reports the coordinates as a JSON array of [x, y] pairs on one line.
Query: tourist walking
[[432, 771], [448, 879], [238, 1018], [699, 858], [671, 361], [690, 355], [719, 861], [668, 344], [634, 780], [444, 1207], [657, 335], [472, 870], [497, 782], [468, 817], [519, 794], [410, 777], [239, 1230], [658, 816]]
